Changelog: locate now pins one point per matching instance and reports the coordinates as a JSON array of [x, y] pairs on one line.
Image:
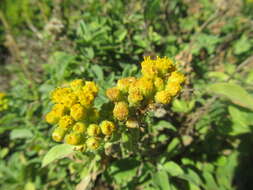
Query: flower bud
[[59, 93], [92, 143], [73, 138], [173, 88], [107, 127], [59, 110], [77, 84], [69, 100], [52, 118], [135, 96], [132, 123], [80, 127], [78, 112], [158, 83], [58, 134], [113, 94], [124, 83], [176, 77], [163, 97], [93, 130], [90, 87]]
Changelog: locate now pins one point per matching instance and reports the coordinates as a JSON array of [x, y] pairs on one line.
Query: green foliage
[[201, 141]]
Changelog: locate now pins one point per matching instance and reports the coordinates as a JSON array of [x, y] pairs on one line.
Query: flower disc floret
[[52, 117], [176, 77], [135, 96], [58, 94], [60, 110], [173, 88], [146, 86], [90, 87]]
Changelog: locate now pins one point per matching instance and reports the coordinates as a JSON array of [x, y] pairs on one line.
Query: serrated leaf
[[57, 152], [233, 92]]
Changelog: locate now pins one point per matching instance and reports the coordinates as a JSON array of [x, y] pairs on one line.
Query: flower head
[[107, 127], [120, 111]]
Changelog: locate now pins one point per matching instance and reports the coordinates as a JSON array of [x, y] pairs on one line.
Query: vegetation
[[138, 123]]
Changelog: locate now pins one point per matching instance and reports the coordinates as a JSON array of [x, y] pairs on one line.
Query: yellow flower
[[113, 94], [107, 127], [58, 134], [146, 86], [124, 83], [176, 77], [173, 88], [60, 110], [135, 96], [77, 84], [120, 111], [93, 130], [80, 127], [69, 100], [164, 65], [59, 93], [2, 95], [73, 138], [78, 112], [90, 87], [86, 99], [148, 68], [66, 122], [158, 83], [163, 97], [92, 143], [52, 117]]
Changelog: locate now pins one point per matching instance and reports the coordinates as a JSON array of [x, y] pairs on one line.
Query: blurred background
[[203, 140]]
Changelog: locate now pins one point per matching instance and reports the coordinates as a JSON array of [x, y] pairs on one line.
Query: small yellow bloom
[[66, 122], [163, 97], [146, 86], [176, 77], [58, 134], [60, 110], [3, 102], [90, 87], [78, 112], [124, 83], [92, 143], [135, 96], [164, 65], [120, 111], [86, 99], [52, 117], [173, 88], [77, 84], [73, 138], [113, 94], [80, 127], [148, 68], [69, 100], [93, 130], [107, 127], [59, 93]]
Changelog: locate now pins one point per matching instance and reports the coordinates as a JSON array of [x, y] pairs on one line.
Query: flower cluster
[[77, 121], [159, 83], [3, 102]]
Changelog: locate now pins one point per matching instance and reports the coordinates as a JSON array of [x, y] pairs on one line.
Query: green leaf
[[20, 133], [98, 72], [242, 45], [57, 152], [161, 179], [173, 168], [164, 124], [233, 92]]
